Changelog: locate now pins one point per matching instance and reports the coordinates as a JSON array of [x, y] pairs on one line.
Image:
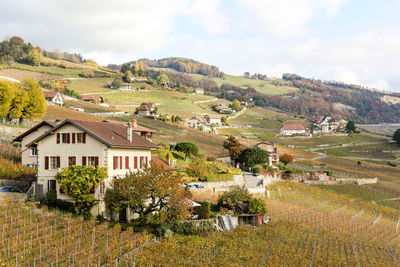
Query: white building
[[214, 119], [200, 91], [115, 145], [198, 123], [53, 97], [291, 129], [126, 87]]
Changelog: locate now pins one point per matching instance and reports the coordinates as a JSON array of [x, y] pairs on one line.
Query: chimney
[[129, 132], [134, 123]]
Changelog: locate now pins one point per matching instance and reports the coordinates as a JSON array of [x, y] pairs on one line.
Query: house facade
[[292, 129], [200, 91], [126, 87], [213, 119], [29, 154], [93, 98], [146, 109], [53, 98], [198, 123], [273, 154], [105, 144]]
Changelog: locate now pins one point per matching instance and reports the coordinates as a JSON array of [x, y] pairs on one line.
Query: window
[[143, 162], [93, 161], [102, 187], [65, 138], [54, 163], [33, 151], [81, 138], [71, 161]]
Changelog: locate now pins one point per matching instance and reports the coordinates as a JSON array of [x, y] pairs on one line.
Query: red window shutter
[[68, 138], [73, 138], [58, 162], [83, 161], [71, 161], [141, 162], [58, 138], [96, 161], [120, 162], [84, 138], [135, 162], [46, 163], [115, 162], [126, 162], [147, 162]]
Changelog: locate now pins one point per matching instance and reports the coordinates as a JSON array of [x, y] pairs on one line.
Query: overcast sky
[[355, 41]]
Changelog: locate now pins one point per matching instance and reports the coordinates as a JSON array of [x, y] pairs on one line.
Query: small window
[[81, 138], [64, 138], [33, 151], [92, 161], [54, 163]]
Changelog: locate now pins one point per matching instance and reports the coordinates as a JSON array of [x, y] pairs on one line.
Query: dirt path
[[237, 114], [205, 101], [9, 79]]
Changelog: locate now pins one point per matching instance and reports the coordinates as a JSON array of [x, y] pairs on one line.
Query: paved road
[[205, 101], [250, 180]]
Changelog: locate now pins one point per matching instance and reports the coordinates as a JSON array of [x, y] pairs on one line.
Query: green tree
[[6, 98], [252, 156], [236, 105], [128, 76], [396, 136], [257, 205], [18, 103], [163, 78], [350, 127], [136, 68], [188, 148], [236, 199], [36, 104], [117, 82], [79, 182], [155, 194]]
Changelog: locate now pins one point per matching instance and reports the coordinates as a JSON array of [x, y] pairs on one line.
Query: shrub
[[11, 171], [198, 169], [51, 198], [65, 205], [204, 211], [236, 199], [256, 170], [257, 205]]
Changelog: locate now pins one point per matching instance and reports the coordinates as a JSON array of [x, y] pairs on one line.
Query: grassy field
[[51, 70], [87, 106], [23, 74], [266, 87], [85, 86], [168, 101]]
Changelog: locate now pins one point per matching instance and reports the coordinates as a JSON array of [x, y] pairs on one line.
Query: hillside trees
[[16, 50], [36, 104], [396, 136], [156, 194], [253, 155], [188, 148], [350, 127], [234, 147], [6, 96], [286, 158], [236, 105]]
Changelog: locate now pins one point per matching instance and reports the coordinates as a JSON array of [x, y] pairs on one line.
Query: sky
[[354, 41]]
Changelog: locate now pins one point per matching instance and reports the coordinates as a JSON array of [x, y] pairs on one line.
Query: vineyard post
[[99, 262], [107, 246], [16, 260]]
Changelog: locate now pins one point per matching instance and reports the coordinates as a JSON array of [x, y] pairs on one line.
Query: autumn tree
[[80, 182], [36, 104], [6, 97], [286, 158], [234, 147], [128, 76], [236, 198], [236, 105], [18, 103], [155, 194]]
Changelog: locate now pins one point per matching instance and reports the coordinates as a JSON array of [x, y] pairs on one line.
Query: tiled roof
[[160, 162], [34, 128], [111, 133], [214, 116], [50, 94], [292, 127]]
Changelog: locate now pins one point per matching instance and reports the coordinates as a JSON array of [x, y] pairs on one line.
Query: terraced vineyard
[[36, 237]]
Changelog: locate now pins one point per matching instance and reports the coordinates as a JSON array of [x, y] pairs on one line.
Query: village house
[[115, 145], [200, 91], [29, 154], [53, 98], [292, 129], [198, 123], [223, 108], [323, 125], [126, 87], [213, 119], [273, 154], [93, 98], [147, 109]]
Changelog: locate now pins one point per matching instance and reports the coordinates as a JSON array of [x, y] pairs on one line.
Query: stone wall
[[305, 177], [8, 133]]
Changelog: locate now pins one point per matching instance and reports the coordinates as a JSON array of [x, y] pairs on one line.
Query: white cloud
[[120, 25], [287, 18], [207, 14]]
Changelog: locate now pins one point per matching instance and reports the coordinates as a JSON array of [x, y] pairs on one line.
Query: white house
[[198, 123], [53, 97], [200, 91], [29, 154], [115, 145], [291, 129], [213, 119], [126, 87]]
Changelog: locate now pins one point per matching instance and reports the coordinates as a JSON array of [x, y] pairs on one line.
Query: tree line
[[23, 101], [16, 50]]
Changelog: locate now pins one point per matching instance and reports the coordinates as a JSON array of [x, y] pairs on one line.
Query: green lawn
[[83, 86], [168, 102]]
